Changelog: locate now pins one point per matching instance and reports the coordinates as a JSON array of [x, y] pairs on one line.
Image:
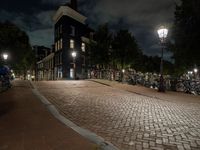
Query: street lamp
[[195, 73], [5, 56], [162, 33], [74, 63], [195, 70], [123, 71]]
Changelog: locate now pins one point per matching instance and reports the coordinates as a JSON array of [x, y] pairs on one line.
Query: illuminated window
[[83, 47], [71, 43]]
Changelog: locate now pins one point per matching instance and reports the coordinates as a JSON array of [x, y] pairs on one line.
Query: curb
[[125, 90], [104, 145], [99, 82]]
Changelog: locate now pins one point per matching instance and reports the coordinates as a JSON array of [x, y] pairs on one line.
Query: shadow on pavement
[[6, 107]]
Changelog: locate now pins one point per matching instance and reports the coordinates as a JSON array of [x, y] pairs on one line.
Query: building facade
[[68, 58], [44, 58], [71, 35]]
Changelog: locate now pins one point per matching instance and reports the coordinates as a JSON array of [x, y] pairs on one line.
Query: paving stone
[[180, 147], [145, 145], [167, 121], [187, 146], [152, 144], [138, 147], [158, 141]]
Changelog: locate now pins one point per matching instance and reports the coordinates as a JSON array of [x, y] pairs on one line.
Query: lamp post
[[195, 73], [162, 33], [74, 63], [123, 71]]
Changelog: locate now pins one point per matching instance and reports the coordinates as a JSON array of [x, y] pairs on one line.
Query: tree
[[125, 49], [16, 43], [187, 34], [99, 50]]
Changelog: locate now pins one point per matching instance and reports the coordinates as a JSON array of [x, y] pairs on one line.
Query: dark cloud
[[54, 2], [38, 26], [141, 17]]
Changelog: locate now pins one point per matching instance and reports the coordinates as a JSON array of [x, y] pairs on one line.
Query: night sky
[[141, 17]]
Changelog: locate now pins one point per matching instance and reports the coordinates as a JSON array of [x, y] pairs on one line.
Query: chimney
[[74, 4]]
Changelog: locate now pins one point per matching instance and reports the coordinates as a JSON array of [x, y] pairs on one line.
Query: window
[[72, 33], [83, 60], [57, 60], [71, 43], [60, 58], [51, 63], [83, 47], [58, 45], [60, 72], [61, 44], [55, 33], [61, 28], [91, 35]]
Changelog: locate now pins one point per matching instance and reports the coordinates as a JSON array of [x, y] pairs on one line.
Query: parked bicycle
[[188, 86]]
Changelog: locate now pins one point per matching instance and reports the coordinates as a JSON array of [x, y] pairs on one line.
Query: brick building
[[71, 35]]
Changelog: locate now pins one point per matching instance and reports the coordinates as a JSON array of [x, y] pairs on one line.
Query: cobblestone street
[[128, 120]]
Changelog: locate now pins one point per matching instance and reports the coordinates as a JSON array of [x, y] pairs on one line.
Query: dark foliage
[[187, 35], [16, 43]]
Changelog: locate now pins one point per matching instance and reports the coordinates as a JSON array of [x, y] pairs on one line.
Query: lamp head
[[195, 70], [162, 32], [5, 56], [73, 54]]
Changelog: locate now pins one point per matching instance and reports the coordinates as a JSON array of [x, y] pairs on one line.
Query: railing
[[149, 80]]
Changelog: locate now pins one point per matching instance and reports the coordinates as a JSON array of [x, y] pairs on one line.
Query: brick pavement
[[25, 124], [141, 90], [126, 119]]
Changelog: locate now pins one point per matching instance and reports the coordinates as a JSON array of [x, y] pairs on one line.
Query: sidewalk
[[141, 90], [25, 124]]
